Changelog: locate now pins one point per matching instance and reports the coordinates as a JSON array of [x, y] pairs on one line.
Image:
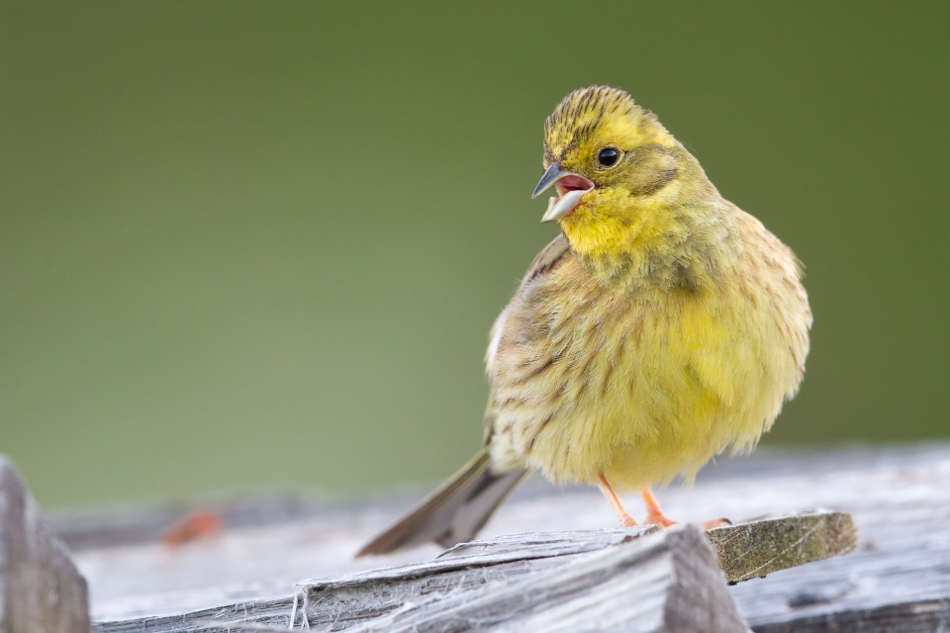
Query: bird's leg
[[655, 515], [625, 519]]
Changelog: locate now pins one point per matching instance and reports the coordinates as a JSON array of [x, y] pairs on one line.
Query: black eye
[[608, 157]]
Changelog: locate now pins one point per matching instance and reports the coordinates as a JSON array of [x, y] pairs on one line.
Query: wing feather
[[550, 257]]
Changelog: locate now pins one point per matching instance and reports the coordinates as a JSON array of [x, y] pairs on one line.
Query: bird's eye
[[608, 157]]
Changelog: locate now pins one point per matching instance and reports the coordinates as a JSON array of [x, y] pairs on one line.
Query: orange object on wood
[[193, 527]]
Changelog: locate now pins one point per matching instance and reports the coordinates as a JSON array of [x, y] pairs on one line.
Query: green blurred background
[[247, 245]]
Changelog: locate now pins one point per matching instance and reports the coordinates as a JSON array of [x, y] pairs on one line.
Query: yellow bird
[[662, 327]]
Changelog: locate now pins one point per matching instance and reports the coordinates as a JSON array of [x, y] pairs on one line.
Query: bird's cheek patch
[[654, 169]]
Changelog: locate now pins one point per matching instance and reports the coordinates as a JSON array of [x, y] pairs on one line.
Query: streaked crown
[[598, 111]]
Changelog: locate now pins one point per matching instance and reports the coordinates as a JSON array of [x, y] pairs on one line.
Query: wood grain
[[896, 579], [546, 579]]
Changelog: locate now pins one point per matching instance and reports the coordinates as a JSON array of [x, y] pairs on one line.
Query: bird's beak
[[571, 188]]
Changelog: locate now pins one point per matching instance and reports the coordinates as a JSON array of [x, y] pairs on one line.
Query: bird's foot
[[658, 519], [655, 515], [626, 520]]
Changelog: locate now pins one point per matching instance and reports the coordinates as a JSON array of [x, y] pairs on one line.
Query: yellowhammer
[[663, 326]]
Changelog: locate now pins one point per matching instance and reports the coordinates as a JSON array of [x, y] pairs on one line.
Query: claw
[[659, 519]]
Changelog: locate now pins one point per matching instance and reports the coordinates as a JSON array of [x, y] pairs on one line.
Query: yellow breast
[[648, 385]]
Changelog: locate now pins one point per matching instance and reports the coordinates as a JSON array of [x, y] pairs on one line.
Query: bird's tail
[[452, 514]]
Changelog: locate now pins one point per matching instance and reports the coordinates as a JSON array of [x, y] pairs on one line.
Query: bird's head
[[615, 167]]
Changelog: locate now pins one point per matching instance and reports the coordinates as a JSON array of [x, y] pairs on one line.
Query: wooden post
[[40, 589]]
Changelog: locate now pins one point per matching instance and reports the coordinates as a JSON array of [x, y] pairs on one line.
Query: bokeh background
[[259, 244]]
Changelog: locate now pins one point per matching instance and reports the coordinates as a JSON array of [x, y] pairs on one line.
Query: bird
[[660, 328]]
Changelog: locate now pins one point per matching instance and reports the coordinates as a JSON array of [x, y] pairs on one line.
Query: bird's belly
[[653, 394]]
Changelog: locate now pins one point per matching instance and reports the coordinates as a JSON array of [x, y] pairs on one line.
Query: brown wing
[[547, 260], [549, 257]]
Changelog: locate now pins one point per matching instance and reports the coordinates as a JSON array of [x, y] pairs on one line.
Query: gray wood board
[[898, 579], [668, 581], [483, 573], [40, 589], [899, 498], [664, 582]]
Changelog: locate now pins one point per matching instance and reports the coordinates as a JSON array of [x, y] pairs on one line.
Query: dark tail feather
[[452, 514]]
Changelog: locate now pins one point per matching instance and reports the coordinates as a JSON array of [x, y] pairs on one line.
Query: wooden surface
[[40, 589], [897, 579], [756, 549], [601, 569], [663, 582]]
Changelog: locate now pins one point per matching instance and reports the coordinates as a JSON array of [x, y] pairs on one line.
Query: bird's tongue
[[572, 189]]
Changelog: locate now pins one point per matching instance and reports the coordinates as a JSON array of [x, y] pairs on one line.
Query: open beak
[[571, 188]]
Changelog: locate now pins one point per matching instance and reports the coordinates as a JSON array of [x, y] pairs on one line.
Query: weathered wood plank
[[745, 551], [492, 565], [668, 582], [898, 578], [756, 549], [40, 589], [665, 582], [899, 498], [922, 616]]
